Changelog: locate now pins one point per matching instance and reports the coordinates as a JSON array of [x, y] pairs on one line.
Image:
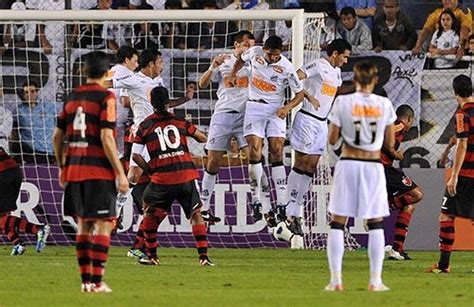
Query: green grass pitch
[[241, 277]]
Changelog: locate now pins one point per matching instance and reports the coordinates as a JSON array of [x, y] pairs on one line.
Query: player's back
[[165, 138], [87, 110], [363, 119]]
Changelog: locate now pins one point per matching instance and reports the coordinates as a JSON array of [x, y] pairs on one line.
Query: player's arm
[[110, 149], [206, 77], [58, 145], [190, 89], [237, 66], [199, 136], [137, 157], [459, 155], [389, 140], [283, 111], [334, 134]]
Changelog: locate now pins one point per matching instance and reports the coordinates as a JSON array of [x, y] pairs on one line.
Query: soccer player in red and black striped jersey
[[10, 184], [172, 172], [403, 193], [459, 195], [90, 171]]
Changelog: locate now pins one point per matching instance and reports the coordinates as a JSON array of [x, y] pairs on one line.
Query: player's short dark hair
[[239, 36], [365, 72], [273, 42], [159, 99], [462, 86], [405, 111], [126, 52], [340, 45], [97, 64], [148, 55], [347, 10]]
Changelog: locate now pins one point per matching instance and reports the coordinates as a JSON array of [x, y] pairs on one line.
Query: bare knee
[[416, 195]]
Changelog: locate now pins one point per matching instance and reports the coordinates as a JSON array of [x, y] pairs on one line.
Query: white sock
[[279, 177], [255, 175], [265, 192], [208, 184], [335, 253], [305, 185], [376, 254], [294, 183]]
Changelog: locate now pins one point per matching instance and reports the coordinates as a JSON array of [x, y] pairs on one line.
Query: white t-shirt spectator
[[447, 40]]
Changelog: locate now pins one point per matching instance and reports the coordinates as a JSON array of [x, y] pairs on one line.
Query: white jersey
[[118, 71], [322, 81], [139, 87], [269, 81], [446, 41], [230, 97], [363, 119]]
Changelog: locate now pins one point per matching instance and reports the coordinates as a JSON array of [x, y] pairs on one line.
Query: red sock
[[401, 230], [20, 224], [139, 242], [446, 239], [83, 246], [150, 230], [99, 256], [200, 235]]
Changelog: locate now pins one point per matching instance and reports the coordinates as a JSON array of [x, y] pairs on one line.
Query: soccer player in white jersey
[[227, 121], [127, 59], [365, 122], [265, 114], [309, 134]]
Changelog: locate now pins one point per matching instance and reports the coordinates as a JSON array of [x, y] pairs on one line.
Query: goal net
[[41, 63]]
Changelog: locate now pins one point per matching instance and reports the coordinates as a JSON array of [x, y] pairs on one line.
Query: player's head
[[406, 115], [243, 40], [348, 17], [365, 74], [272, 48], [462, 86], [128, 56], [97, 65], [338, 52], [160, 99], [151, 62]]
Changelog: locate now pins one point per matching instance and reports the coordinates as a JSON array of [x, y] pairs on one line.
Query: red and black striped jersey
[[6, 162], [88, 109], [165, 139], [385, 156], [465, 129]]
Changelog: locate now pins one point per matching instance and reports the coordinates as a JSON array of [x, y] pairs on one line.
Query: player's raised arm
[[190, 90], [241, 60], [206, 77]]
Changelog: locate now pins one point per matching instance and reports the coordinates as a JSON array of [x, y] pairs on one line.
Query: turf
[[242, 277]]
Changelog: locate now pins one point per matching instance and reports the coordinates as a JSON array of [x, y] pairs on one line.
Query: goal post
[[57, 73]]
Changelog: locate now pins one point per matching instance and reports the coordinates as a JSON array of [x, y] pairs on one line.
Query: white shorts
[[261, 120], [223, 127], [145, 156], [309, 135], [359, 190]]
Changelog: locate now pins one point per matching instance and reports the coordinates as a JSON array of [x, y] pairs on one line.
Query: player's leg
[[100, 253], [275, 145], [255, 174], [214, 159], [188, 196], [376, 253], [335, 252], [84, 252], [138, 248]]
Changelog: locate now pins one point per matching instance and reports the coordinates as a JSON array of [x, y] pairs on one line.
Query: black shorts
[[10, 183], [462, 204], [397, 182], [91, 199], [137, 194], [162, 196]]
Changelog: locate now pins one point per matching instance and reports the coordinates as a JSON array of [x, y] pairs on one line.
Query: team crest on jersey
[[407, 181], [278, 69], [260, 60]]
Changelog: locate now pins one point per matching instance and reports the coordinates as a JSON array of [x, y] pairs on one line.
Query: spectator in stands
[[258, 28], [155, 4], [464, 17], [26, 35], [210, 35], [95, 36], [147, 34], [6, 124], [365, 9], [283, 27], [445, 40], [36, 122], [470, 50], [173, 32], [353, 30], [392, 29]]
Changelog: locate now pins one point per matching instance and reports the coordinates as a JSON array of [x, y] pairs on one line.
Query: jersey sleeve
[[128, 81], [139, 136], [335, 116], [108, 113], [462, 125], [293, 81], [249, 54], [311, 69]]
